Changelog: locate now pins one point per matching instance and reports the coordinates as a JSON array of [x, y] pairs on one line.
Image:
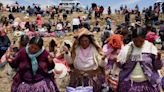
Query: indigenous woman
[[87, 62], [23, 41], [111, 50], [33, 63], [140, 62]]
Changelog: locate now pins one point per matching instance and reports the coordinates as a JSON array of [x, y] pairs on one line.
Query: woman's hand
[[9, 58], [51, 57]]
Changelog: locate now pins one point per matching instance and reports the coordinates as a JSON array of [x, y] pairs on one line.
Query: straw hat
[[67, 42], [83, 31], [60, 70], [18, 20], [86, 32]]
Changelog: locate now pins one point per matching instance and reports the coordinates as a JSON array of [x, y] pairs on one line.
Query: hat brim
[[64, 71], [82, 32]]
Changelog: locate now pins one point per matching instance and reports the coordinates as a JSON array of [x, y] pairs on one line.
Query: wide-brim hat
[[61, 68], [77, 37], [83, 31]]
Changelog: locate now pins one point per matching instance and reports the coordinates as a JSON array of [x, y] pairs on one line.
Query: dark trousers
[[75, 27], [2, 52]]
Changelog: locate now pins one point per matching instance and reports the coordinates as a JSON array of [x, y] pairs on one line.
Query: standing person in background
[[97, 12], [109, 10], [138, 17], [85, 23], [87, 62], [33, 63], [101, 10], [161, 34], [107, 32], [75, 23], [139, 62], [4, 42], [162, 7], [148, 15], [127, 17], [108, 21], [156, 13], [136, 9]]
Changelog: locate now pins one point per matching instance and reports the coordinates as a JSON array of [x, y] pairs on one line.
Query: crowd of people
[[125, 59]]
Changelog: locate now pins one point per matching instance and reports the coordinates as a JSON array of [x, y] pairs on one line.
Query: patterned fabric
[[111, 55], [78, 79], [150, 65], [128, 86], [41, 86], [25, 74]]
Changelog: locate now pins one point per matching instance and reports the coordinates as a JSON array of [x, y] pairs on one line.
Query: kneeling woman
[[140, 62], [87, 61], [32, 64]]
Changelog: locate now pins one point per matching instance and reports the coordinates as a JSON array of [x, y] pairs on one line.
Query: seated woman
[[139, 62], [87, 62], [33, 63]]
